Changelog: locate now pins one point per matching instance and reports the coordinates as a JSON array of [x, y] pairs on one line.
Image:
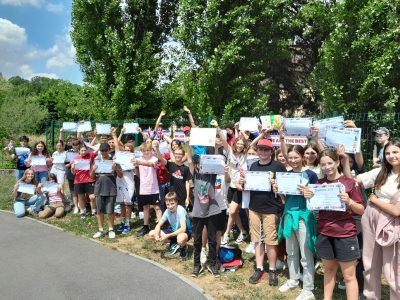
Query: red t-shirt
[[340, 224], [83, 176], [163, 174]]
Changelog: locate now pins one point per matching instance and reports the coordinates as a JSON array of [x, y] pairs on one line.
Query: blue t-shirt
[[174, 219]]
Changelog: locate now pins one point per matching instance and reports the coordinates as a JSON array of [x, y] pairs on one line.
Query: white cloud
[[36, 3], [56, 8], [62, 54]]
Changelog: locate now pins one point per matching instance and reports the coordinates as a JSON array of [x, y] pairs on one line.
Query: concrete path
[[41, 262]]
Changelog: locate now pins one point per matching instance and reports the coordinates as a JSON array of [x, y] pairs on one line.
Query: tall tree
[[118, 45]]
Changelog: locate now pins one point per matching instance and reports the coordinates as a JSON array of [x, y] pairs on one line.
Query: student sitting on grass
[[56, 205], [179, 232]]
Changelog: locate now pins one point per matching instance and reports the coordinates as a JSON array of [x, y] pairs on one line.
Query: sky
[[35, 41]]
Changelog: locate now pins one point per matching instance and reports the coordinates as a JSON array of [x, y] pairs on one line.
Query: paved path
[[40, 262]]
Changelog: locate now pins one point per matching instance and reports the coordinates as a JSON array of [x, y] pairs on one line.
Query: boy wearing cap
[[381, 138], [265, 208]]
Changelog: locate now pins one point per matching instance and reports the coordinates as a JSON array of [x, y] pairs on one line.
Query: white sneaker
[[305, 295], [225, 239], [111, 234], [239, 239], [289, 285], [203, 255], [76, 210], [98, 234], [251, 248], [280, 265]]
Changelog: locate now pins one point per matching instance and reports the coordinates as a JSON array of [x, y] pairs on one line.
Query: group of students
[[363, 239]]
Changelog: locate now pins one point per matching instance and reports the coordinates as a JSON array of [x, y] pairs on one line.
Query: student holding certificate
[[265, 208], [70, 155], [105, 190], [26, 194], [83, 183], [337, 242], [381, 224], [39, 160], [298, 227], [56, 198], [19, 154], [59, 157]]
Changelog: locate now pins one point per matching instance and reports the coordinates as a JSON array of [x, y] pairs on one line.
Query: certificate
[[71, 156], [22, 151], [257, 181], [26, 188], [124, 159], [274, 121], [289, 140], [350, 138], [70, 126], [288, 182], [84, 126], [298, 126], [82, 164], [59, 158], [163, 147], [212, 164], [104, 166], [103, 128], [179, 135], [37, 160], [131, 127], [202, 136], [250, 124], [51, 187], [326, 197], [324, 124]]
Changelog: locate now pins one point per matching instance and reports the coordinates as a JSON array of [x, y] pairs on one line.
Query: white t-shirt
[[386, 191]]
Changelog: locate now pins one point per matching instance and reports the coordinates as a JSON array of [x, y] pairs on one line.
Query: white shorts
[[125, 188]]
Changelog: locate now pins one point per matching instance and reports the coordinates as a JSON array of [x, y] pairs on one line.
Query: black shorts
[[221, 222], [234, 195], [105, 204], [342, 249], [84, 188], [173, 239], [153, 199]]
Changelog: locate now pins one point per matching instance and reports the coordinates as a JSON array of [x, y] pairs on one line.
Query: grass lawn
[[231, 285]]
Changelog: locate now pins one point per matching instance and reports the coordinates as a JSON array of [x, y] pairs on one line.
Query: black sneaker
[[257, 276], [273, 278], [143, 231], [213, 269], [196, 271], [183, 253]]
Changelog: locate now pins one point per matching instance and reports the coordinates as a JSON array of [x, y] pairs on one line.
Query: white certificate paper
[[257, 181], [71, 156], [212, 164], [131, 127], [324, 124], [123, 158], [82, 164], [22, 150], [59, 158], [288, 182], [250, 124], [51, 187], [179, 135], [26, 188], [274, 121], [103, 128], [84, 126], [70, 126], [350, 138], [104, 166], [202, 136], [37, 160], [326, 197], [298, 126]]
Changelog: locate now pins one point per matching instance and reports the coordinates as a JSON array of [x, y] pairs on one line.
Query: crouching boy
[[179, 232]]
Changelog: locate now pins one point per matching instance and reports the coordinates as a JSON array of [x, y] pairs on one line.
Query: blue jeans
[[36, 201], [163, 191], [41, 176], [19, 174]]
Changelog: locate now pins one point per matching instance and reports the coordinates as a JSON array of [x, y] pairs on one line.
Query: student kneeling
[[179, 232]]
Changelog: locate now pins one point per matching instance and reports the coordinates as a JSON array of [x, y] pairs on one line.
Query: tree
[[359, 67], [118, 45]]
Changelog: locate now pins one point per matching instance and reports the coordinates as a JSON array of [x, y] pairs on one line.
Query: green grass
[[233, 284]]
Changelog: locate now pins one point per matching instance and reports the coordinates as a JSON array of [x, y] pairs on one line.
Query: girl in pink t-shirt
[[40, 161]]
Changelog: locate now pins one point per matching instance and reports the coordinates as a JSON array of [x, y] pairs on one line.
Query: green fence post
[[209, 119], [335, 114]]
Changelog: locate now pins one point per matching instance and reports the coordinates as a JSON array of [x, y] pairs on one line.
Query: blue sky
[[35, 41]]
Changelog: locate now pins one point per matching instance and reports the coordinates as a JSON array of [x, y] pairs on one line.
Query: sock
[[261, 268], [111, 229], [272, 269], [101, 229]]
